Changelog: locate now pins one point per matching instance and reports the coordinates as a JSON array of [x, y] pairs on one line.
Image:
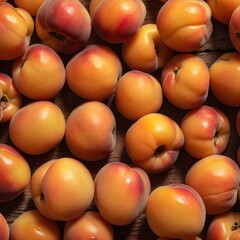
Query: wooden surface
[[67, 101]]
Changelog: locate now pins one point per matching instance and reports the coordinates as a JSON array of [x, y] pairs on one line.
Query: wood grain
[[218, 44]]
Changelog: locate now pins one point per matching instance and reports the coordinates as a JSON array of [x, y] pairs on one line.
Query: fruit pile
[[119, 119]]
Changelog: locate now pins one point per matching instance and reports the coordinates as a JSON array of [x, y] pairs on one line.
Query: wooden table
[[67, 101]]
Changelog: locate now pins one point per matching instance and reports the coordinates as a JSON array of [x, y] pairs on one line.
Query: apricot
[[153, 142], [216, 178], [192, 29], [206, 130], [33, 225], [222, 10], [39, 73], [64, 26], [90, 131], [156, 53], [105, 68], [238, 132], [62, 189], [175, 211], [234, 29], [121, 192], [15, 173], [91, 225], [225, 79], [185, 81], [4, 228], [31, 7], [137, 94], [16, 28], [38, 127], [116, 21], [11, 99], [224, 226]]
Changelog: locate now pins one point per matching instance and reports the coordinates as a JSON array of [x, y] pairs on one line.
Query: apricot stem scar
[[4, 101], [57, 35], [159, 150], [235, 225], [216, 138], [175, 69], [41, 196], [22, 64]]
